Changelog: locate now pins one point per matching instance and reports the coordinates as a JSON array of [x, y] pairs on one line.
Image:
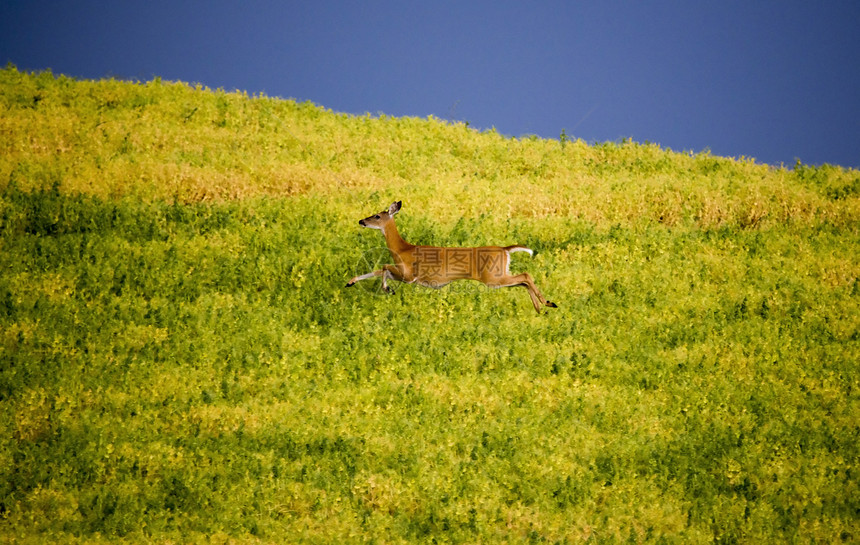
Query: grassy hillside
[[180, 362]]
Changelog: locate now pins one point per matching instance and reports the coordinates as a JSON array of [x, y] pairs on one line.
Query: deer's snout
[[361, 222]]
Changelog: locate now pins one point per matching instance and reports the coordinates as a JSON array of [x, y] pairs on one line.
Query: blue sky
[[777, 81]]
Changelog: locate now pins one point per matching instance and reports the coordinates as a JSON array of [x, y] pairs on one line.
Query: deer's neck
[[395, 242]]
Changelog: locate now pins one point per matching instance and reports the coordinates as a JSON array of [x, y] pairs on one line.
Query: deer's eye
[[377, 216]]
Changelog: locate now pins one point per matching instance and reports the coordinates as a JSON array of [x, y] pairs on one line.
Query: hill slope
[[174, 142], [179, 360]]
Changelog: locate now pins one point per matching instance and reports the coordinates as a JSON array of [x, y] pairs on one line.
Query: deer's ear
[[395, 208]]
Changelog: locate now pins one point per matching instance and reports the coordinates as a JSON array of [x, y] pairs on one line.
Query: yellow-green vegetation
[[180, 361]]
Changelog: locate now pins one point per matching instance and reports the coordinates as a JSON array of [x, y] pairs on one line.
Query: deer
[[434, 266]]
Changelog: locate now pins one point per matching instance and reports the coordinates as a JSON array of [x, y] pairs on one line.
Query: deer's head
[[377, 221]]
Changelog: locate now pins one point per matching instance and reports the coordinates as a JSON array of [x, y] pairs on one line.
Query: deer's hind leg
[[525, 280]]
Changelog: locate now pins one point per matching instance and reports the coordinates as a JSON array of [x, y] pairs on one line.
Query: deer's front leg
[[363, 277], [388, 271]]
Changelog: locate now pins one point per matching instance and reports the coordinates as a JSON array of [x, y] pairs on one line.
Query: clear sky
[[773, 80]]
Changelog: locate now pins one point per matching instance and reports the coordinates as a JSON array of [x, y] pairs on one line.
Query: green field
[[180, 361]]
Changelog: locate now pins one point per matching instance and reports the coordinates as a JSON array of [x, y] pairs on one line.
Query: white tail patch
[[509, 251], [522, 249]]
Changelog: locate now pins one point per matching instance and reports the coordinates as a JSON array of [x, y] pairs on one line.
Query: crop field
[[180, 361]]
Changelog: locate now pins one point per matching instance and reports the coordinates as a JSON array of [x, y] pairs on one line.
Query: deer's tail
[[512, 249]]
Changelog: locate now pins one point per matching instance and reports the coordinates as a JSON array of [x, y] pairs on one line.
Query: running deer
[[435, 267]]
